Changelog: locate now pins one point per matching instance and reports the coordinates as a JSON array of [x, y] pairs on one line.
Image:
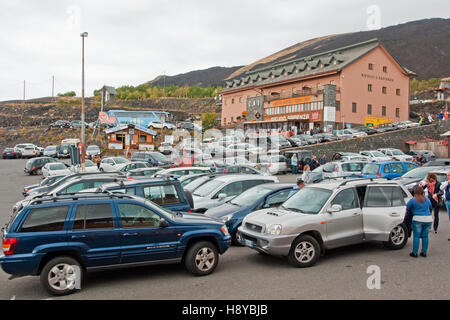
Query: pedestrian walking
[[433, 192], [419, 208], [306, 176], [294, 164]]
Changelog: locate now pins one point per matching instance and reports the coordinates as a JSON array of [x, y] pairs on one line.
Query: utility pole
[[83, 139], [53, 87], [23, 91]]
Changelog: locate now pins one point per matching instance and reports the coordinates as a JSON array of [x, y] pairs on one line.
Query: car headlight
[[227, 217], [274, 229]]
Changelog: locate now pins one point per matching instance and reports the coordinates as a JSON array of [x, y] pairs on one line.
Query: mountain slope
[[208, 77], [420, 46]]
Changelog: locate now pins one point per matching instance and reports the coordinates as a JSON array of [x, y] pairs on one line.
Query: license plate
[[248, 243]]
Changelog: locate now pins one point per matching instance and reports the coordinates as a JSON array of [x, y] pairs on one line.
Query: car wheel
[[38, 171], [59, 276], [397, 238], [305, 251], [237, 238], [201, 258]]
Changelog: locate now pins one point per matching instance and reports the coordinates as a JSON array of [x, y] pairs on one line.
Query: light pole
[[83, 139]]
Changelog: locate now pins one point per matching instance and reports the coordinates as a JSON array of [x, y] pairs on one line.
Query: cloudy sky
[[133, 41]]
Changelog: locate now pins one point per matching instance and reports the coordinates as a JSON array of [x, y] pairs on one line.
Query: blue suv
[[388, 169], [167, 193], [60, 238]]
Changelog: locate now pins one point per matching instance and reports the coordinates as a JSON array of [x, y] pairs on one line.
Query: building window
[[369, 87], [232, 119], [397, 92], [383, 110], [397, 112], [225, 121], [370, 66], [354, 107], [294, 90], [240, 99], [142, 138], [384, 69], [232, 102], [384, 90], [338, 106], [369, 109]]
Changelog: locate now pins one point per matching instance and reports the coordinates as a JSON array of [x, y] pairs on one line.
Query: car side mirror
[[266, 206], [334, 208], [222, 196], [163, 223]]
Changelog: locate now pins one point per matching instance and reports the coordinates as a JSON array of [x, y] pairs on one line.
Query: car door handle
[[79, 237], [130, 234], [393, 214]]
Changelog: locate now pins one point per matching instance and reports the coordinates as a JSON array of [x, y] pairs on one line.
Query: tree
[[209, 121], [67, 94]]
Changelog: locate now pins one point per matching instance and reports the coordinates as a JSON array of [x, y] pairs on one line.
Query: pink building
[[348, 86]]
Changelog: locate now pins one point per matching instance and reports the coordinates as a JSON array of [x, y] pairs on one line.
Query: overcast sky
[[133, 41]]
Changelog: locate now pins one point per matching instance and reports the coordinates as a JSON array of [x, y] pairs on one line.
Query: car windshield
[[353, 166], [371, 169], [193, 185], [57, 166], [307, 200], [50, 180], [50, 148], [278, 138], [120, 160], [88, 163], [158, 156], [397, 153], [248, 197], [91, 148], [208, 188], [377, 154], [418, 173]]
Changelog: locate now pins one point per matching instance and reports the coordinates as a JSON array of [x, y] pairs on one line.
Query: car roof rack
[[352, 179], [81, 196]]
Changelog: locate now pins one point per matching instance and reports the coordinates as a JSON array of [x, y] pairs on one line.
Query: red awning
[[411, 142]]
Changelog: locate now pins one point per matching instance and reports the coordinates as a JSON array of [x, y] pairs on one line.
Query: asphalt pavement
[[245, 274]]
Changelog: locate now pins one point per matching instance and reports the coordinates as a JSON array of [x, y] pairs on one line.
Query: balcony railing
[[296, 94]]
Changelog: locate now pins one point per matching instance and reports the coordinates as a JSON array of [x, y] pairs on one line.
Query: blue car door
[[397, 170], [95, 231], [142, 239]]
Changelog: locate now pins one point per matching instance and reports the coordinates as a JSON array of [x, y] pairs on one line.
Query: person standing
[[421, 120], [433, 187], [294, 164], [323, 160], [314, 163], [306, 176], [420, 208], [445, 188]]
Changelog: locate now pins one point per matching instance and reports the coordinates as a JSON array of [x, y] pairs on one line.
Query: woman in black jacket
[[433, 187]]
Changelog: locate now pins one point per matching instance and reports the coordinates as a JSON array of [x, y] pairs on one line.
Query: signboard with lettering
[[287, 102]]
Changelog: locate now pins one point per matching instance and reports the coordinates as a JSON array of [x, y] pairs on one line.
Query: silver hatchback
[[328, 215]]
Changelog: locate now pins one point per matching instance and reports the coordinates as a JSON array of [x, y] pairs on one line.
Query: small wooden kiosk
[[130, 138]]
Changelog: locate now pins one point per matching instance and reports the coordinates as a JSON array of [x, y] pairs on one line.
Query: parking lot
[[245, 274]]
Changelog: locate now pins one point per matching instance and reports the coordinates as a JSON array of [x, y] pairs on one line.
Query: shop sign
[[315, 116]]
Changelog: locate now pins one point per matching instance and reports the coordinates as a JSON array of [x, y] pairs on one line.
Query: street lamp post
[[83, 139]]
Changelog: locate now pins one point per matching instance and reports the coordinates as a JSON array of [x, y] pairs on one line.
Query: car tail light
[[379, 175], [336, 169], [9, 246], [224, 171], [23, 151], [189, 211], [33, 168], [270, 165], [13, 152], [130, 178]]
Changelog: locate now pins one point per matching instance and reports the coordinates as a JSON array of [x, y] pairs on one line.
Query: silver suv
[[327, 215]]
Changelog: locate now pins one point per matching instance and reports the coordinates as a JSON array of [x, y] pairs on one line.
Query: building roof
[[125, 126], [324, 62], [109, 89]]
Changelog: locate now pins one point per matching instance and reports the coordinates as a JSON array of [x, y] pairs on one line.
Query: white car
[[55, 169], [19, 147], [396, 153], [89, 166], [375, 155], [219, 190], [113, 164], [165, 148], [408, 124], [30, 151], [183, 171], [350, 133], [242, 149], [161, 125]]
